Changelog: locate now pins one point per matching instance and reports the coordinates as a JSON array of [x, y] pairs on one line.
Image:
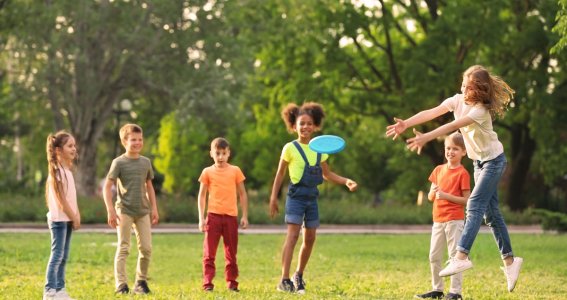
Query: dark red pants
[[216, 226]]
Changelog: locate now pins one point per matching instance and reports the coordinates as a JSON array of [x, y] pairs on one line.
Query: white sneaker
[[512, 272], [62, 295], [49, 294], [456, 266]]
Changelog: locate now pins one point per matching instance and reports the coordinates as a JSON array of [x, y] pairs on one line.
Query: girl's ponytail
[[54, 141]]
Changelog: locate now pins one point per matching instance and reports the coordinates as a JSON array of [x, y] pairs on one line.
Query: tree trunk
[[523, 148], [87, 141]]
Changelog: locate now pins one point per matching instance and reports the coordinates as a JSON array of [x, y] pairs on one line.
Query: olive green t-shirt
[[130, 175]]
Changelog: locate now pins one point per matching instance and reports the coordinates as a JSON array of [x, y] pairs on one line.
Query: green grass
[[341, 267]]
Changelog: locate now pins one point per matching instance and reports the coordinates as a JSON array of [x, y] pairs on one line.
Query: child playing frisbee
[[450, 190], [135, 208], [222, 181], [63, 216], [307, 169], [483, 97]]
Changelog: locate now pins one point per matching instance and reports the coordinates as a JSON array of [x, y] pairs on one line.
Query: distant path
[[265, 229]]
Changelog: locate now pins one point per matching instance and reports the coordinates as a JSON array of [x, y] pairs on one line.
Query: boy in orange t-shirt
[[450, 190], [223, 182]]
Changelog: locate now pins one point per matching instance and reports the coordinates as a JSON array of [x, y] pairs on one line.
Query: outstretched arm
[[282, 167], [333, 177], [420, 139], [421, 117]]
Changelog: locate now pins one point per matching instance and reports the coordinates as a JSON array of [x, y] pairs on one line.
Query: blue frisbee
[[327, 144]]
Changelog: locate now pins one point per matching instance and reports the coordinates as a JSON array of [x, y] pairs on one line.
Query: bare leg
[[288, 247], [309, 235]]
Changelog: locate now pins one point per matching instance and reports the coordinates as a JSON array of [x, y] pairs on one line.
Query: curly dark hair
[[291, 112]]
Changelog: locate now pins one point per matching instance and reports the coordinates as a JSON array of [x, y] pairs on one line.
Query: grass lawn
[[341, 267]]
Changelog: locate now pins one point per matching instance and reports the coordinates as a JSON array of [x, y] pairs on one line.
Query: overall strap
[[296, 144]]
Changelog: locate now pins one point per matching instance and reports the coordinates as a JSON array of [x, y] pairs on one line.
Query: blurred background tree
[[194, 70]]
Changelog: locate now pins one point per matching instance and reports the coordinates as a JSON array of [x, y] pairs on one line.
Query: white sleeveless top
[[56, 213]]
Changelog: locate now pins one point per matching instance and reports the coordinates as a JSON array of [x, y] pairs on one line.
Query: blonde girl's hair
[[488, 90], [54, 167], [457, 139], [291, 112]]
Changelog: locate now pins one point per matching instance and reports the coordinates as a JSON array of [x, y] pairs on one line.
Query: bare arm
[[152, 197], [456, 199], [64, 205], [243, 205], [201, 202], [420, 139], [112, 218], [421, 117], [282, 167], [333, 177]]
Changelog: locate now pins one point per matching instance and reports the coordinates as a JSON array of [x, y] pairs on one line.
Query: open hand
[[396, 129], [417, 142]]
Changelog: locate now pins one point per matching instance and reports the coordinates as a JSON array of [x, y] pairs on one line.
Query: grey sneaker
[[456, 266], [452, 296], [286, 286], [299, 283], [430, 295], [513, 272]]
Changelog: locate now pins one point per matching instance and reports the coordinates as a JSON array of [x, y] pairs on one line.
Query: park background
[[189, 71]]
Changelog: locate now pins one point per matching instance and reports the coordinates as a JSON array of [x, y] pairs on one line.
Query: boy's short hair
[[129, 128], [457, 139], [220, 143]]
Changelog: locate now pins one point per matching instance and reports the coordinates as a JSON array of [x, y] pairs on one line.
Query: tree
[[83, 57]]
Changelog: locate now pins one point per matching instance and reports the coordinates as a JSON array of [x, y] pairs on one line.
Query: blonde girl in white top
[[483, 97], [63, 216]]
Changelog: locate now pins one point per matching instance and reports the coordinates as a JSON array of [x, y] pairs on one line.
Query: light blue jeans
[[483, 202], [60, 242]]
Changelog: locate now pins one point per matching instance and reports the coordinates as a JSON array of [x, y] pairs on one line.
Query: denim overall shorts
[[306, 188]]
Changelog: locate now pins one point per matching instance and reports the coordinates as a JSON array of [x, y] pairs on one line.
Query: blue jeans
[[60, 242], [483, 202]]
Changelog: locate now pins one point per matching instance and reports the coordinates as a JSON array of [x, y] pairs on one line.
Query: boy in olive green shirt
[[135, 205]]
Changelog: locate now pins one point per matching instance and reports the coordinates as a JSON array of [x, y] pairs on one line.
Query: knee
[[293, 237], [309, 240], [146, 251]]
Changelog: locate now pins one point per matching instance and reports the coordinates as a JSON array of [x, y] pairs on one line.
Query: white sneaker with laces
[[63, 295], [456, 266], [513, 272], [49, 294]]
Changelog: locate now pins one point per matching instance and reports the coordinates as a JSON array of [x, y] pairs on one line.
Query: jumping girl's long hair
[[54, 141], [291, 112], [487, 89]]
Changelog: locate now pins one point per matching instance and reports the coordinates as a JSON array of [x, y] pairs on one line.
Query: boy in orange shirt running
[[223, 182], [450, 190]]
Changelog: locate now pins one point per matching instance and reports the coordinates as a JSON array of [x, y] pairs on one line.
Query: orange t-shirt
[[221, 184], [452, 181]]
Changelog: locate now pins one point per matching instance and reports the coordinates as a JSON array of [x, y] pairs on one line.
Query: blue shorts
[[302, 212]]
